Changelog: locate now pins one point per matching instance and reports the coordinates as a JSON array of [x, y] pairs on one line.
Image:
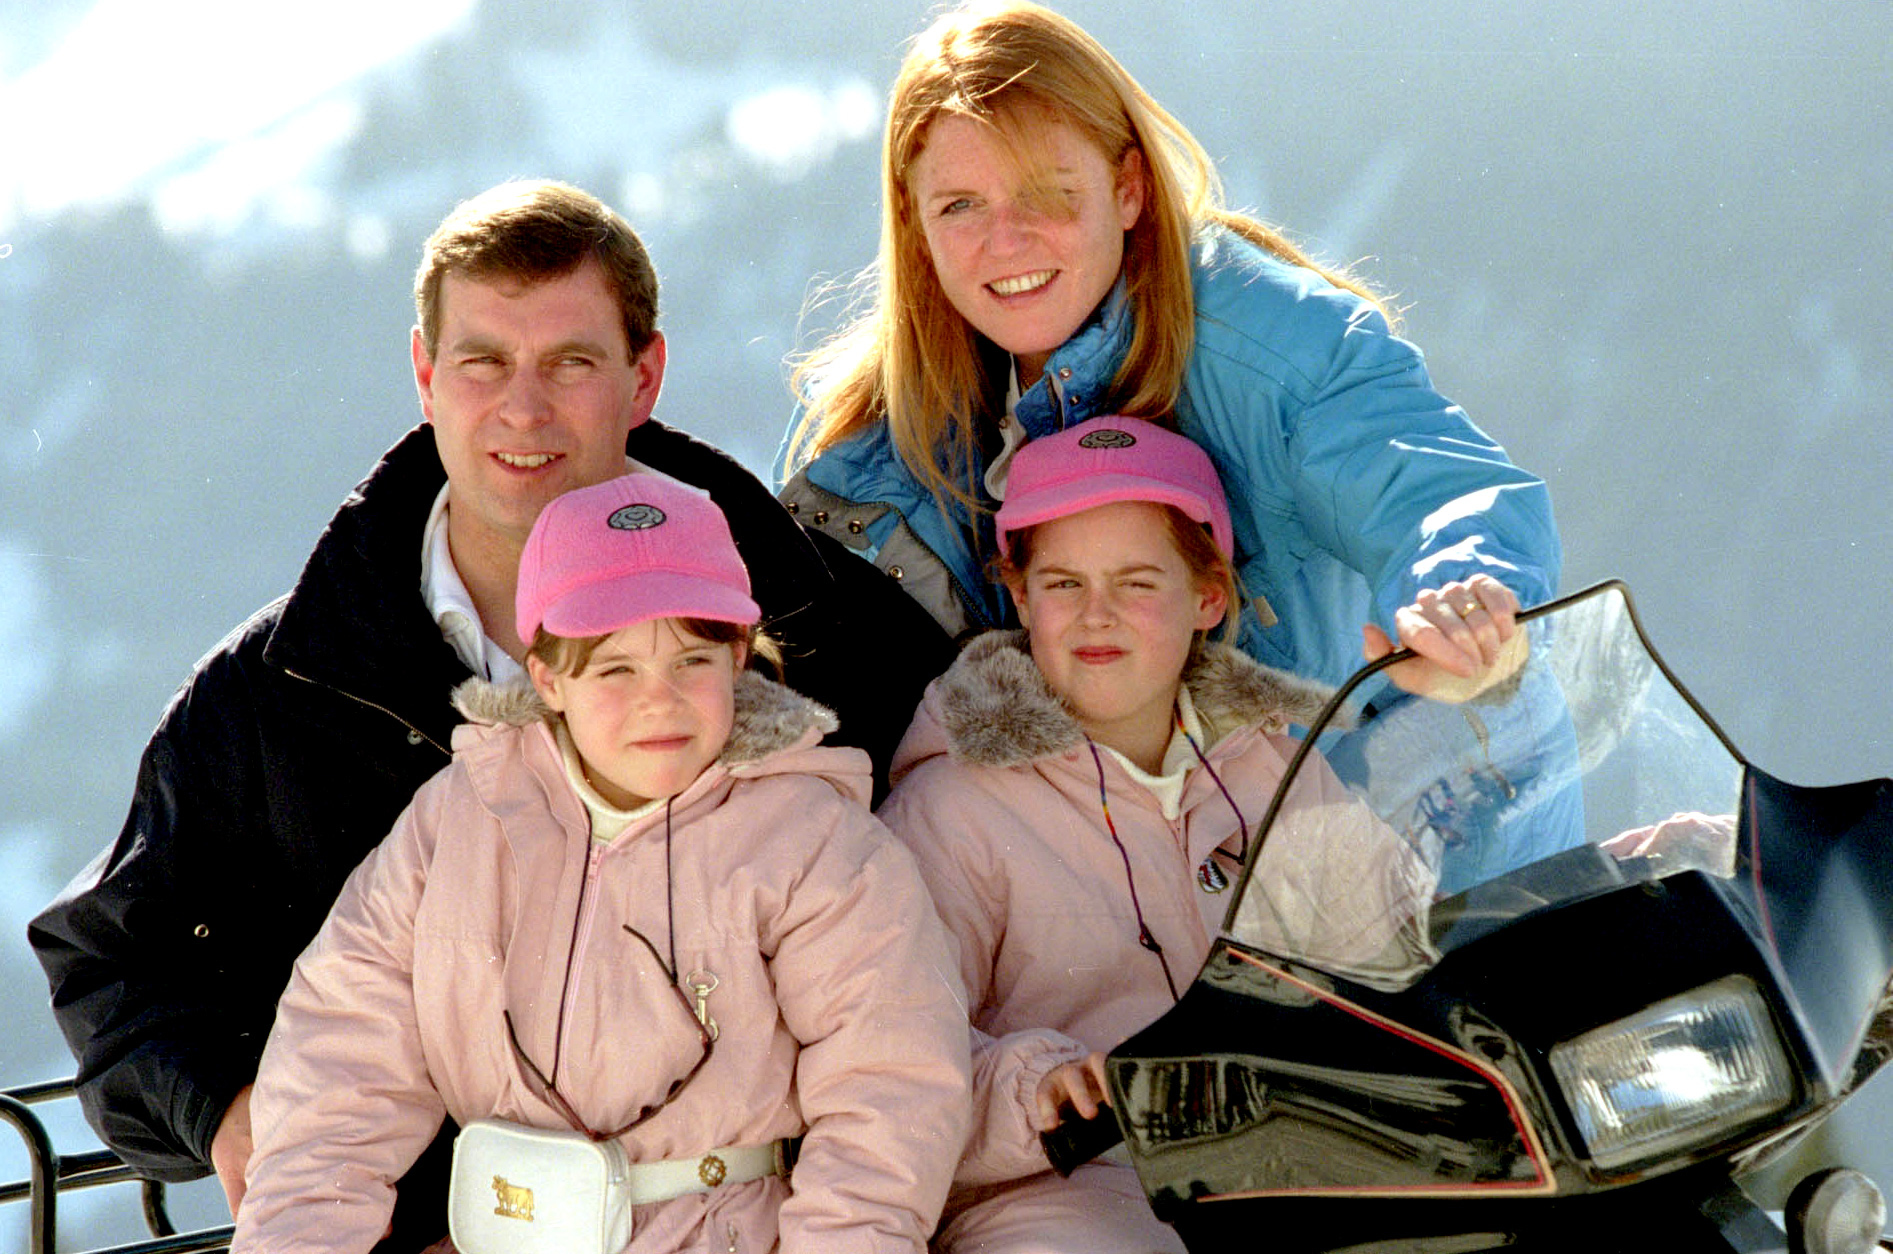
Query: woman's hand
[[1079, 1085], [1465, 634], [1688, 840]]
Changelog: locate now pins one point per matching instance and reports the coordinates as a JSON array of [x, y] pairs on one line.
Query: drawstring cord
[[1242, 825], [1144, 936], [578, 917], [670, 911], [670, 897]]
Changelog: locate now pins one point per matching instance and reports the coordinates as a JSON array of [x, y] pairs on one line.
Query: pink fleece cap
[[1113, 459], [627, 550]]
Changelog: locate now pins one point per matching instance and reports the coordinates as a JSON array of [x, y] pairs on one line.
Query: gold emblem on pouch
[[515, 1200]]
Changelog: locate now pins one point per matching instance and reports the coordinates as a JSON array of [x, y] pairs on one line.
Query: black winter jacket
[[296, 743]]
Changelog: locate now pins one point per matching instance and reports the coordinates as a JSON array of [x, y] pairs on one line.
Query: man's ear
[[648, 368], [546, 681], [423, 373]]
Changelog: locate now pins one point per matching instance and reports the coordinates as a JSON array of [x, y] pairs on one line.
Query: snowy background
[[1646, 246]]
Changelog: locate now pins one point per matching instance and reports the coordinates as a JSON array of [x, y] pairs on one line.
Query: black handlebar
[[1077, 1141]]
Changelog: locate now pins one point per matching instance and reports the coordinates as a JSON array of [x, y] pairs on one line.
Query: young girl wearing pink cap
[[643, 923], [1080, 796]]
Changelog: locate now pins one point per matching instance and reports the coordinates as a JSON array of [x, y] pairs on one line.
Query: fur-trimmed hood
[[770, 717], [994, 708]]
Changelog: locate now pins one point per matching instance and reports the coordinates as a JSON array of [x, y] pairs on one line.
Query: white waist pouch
[[520, 1190]]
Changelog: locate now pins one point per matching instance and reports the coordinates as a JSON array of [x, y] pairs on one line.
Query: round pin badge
[[639, 517]]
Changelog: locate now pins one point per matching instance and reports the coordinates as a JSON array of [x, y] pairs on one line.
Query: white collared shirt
[[451, 605], [1012, 432], [1179, 759]]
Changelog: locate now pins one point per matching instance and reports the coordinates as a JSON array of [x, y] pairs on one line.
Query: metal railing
[[54, 1173]]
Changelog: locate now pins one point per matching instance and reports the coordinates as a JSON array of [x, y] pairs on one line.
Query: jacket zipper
[[581, 938], [343, 692]]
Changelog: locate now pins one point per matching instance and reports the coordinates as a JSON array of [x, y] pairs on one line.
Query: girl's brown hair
[[571, 654], [912, 361]]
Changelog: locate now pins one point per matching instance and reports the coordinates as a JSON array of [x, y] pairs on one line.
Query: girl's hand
[[1464, 634], [1079, 1085]]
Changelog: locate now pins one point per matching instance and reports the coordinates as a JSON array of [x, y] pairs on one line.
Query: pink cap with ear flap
[[1113, 459], [627, 550]]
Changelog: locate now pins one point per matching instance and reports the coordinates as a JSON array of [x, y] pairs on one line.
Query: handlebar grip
[[1075, 1142]]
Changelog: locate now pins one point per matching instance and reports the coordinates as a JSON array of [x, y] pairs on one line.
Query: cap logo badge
[[636, 518], [1110, 437]]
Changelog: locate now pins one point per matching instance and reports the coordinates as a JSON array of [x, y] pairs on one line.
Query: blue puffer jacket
[[1352, 483]]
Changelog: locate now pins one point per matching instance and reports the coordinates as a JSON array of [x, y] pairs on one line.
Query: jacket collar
[[995, 708], [356, 621], [1084, 365], [770, 717]]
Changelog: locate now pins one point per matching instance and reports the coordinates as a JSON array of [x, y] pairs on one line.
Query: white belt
[[674, 1177]]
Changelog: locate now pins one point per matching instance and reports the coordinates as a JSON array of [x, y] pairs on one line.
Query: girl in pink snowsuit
[[645, 907], [1080, 796]]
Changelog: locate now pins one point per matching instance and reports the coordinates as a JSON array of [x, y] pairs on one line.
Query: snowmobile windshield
[[1431, 821]]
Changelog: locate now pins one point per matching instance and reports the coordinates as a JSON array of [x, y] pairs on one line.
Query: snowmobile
[[1642, 968]]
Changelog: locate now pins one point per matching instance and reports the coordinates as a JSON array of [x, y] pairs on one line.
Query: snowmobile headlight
[[1686, 1071]]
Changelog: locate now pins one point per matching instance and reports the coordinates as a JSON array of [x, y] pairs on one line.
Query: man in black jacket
[[300, 738]]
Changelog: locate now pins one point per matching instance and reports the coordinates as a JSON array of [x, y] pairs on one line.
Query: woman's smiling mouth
[[1019, 284]]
